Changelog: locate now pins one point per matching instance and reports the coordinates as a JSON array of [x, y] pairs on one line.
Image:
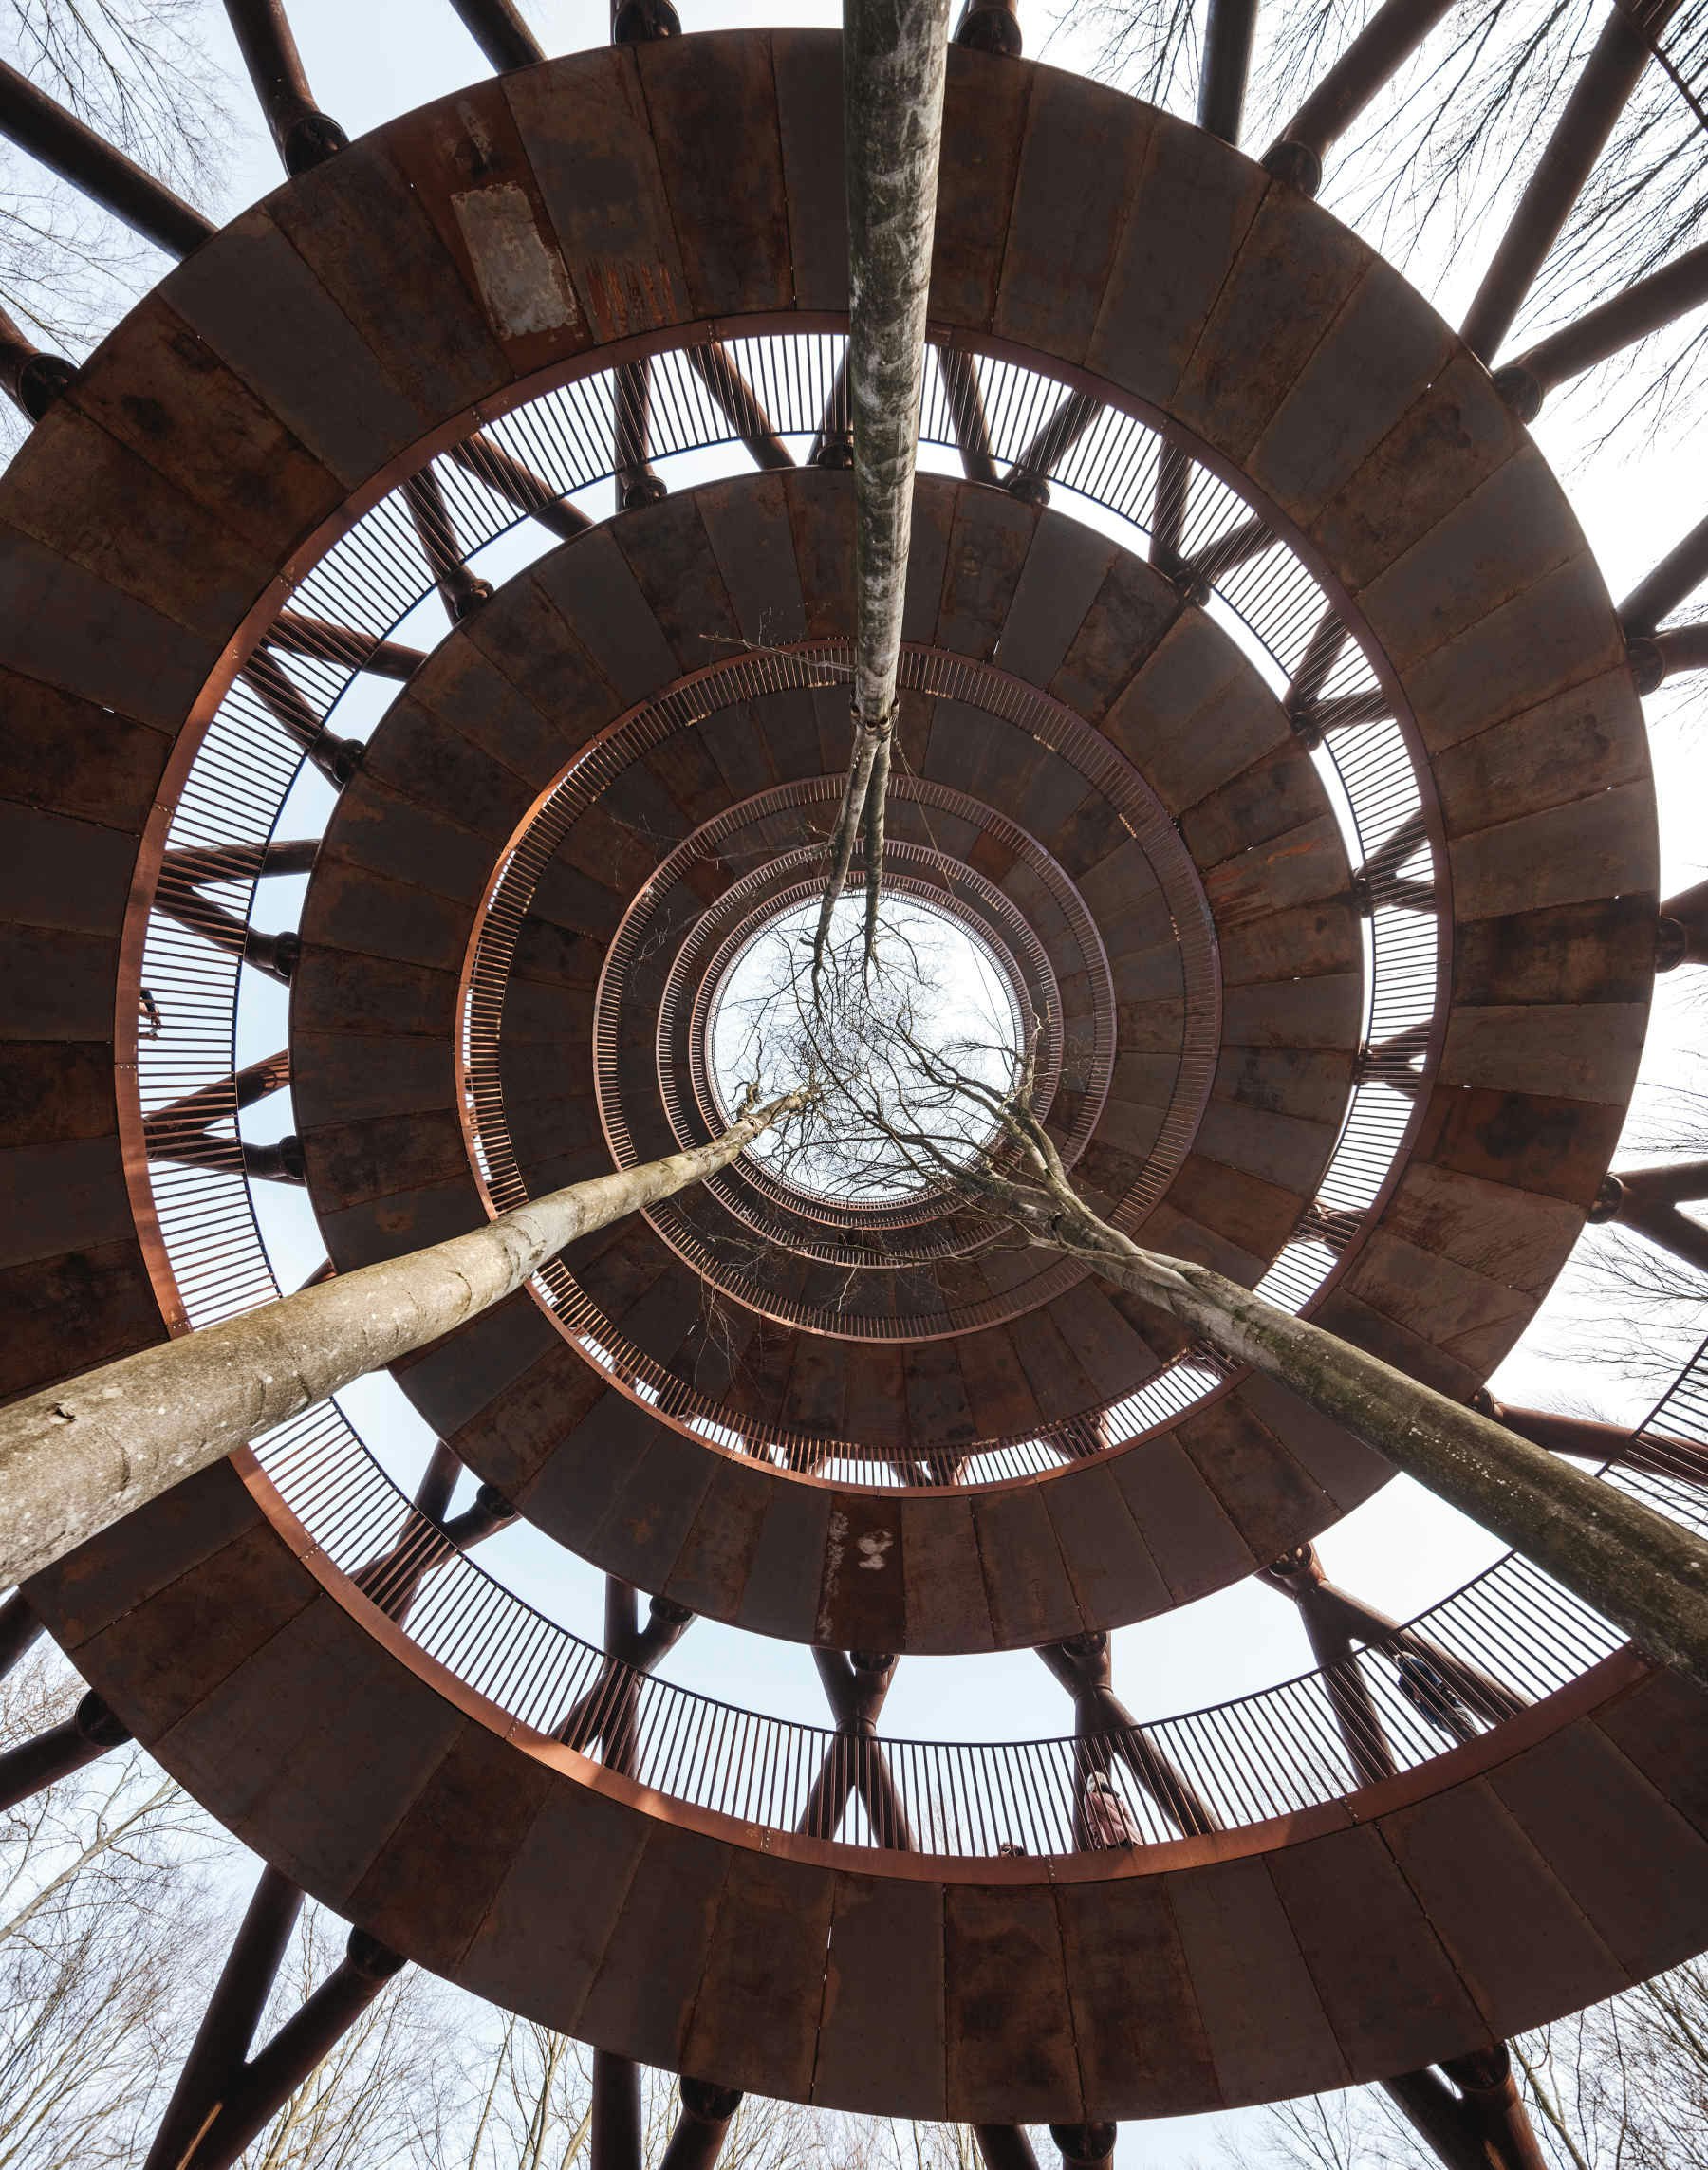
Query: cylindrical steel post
[[1227, 63], [1391, 35], [616, 2134], [61, 141], [496, 27], [56, 1753], [1580, 136], [306, 136]]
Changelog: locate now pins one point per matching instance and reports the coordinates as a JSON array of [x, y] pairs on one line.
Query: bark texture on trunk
[[1635, 1567], [892, 65], [76, 1457]]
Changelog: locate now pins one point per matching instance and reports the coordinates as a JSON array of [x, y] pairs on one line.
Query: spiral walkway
[[1320, 837]]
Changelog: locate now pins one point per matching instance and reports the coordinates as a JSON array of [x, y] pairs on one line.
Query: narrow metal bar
[[62, 142], [460, 590], [1580, 136]]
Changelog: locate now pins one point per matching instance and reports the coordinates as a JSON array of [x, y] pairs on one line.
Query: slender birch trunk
[[1634, 1567], [76, 1457], [894, 57]]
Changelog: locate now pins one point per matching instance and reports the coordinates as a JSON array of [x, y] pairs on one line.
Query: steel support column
[[61, 141], [497, 27], [1227, 63], [1106, 1728], [965, 399], [19, 1629], [1029, 478], [1580, 136], [1683, 932], [1657, 1454], [1085, 2146], [1644, 307], [1674, 580], [1482, 2126], [519, 485], [341, 645], [1649, 1200], [855, 1687], [461, 591], [699, 2134], [304, 134], [82, 1738], [604, 1716], [222, 2041], [616, 2120], [337, 758], [30, 379], [990, 26], [1005, 2148], [1388, 40], [259, 2089], [715, 368]]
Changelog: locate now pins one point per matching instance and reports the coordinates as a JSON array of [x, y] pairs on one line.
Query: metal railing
[[1509, 1637], [562, 442]]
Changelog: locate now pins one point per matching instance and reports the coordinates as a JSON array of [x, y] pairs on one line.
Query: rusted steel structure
[[1374, 1063]]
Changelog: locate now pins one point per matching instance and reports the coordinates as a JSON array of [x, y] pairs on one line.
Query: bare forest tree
[[139, 72], [1448, 137], [1622, 2085]]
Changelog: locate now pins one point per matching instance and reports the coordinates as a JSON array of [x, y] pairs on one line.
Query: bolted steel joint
[[1522, 392], [370, 1958], [1296, 164], [643, 489], [633, 22], [42, 380], [1083, 2143], [708, 2103], [472, 593], [311, 140], [1608, 1201], [1028, 489], [1647, 663], [992, 27], [100, 1726], [1672, 945], [668, 1613]]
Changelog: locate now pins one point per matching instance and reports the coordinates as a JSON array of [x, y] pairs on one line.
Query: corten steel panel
[[1027, 1584], [671, 557], [985, 102], [1507, 1923], [187, 415], [1510, 1235], [387, 834], [1262, 1488], [1557, 1146], [757, 535], [644, 1993], [424, 757], [77, 755], [1082, 155], [713, 106], [1189, 1537], [1108, 1560], [1346, 1469], [518, 1430], [1183, 224], [1253, 1993], [1391, 1993], [1634, 1864], [316, 1731], [1139, 2037], [948, 1608], [1315, 938], [647, 1522], [1293, 272], [884, 1996], [756, 2014], [784, 1592], [808, 72], [465, 159], [96, 1301], [59, 1198], [1308, 1082], [1652, 1726], [1058, 584], [1008, 2023], [714, 1563], [1367, 1328], [1560, 856], [436, 1876], [532, 695], [432, 340], [501, 1348], [392, 1071], [1600, 951], [534, 1951]]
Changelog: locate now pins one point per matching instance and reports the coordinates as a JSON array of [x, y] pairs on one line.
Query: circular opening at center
[[901, 1053]]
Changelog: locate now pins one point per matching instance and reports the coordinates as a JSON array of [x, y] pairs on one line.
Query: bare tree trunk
[[76, 1457], [893, 63], [1638, 1570]]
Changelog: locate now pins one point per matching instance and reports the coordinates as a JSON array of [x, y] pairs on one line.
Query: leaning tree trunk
[[76, 1457], [1635, 1567], [893, 63]]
